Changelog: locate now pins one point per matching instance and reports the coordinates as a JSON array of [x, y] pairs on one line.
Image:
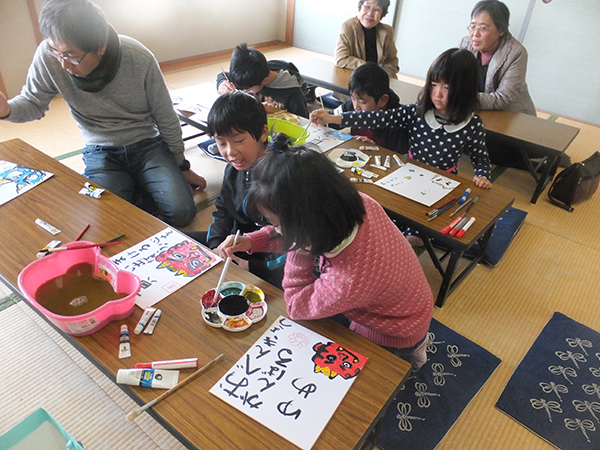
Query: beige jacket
[[505, 85], [350, 49]]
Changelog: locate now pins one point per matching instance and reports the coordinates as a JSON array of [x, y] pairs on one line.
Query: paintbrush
[[80, 235], [225, 267], [323, 107], [136, 412], [80, 246], [304, 132]]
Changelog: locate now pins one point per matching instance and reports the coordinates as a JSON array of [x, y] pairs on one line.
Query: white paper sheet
[[291, 381], [16, 180], [418, 184], [165, 262]]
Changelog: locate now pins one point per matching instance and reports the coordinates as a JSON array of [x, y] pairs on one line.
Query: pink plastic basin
[[57, 264]]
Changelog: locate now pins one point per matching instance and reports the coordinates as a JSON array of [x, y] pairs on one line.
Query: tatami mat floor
[[552, 265]]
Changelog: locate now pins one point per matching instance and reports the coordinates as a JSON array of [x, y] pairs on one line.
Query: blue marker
[[464, 196]]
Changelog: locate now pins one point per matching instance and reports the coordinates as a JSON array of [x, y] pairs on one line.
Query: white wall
[[171, 29], [562, 39], [317, 22], [17, 43]]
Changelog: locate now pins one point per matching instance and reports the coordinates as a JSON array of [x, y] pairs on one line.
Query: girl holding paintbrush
[[344, 253]]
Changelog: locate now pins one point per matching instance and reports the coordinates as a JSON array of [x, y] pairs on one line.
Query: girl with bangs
[[442, 125]]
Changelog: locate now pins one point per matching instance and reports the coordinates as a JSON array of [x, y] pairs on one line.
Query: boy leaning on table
[[276, 83], [118, 97], [238, 123]]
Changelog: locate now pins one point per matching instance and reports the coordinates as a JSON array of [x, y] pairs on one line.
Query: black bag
[[576, 183]]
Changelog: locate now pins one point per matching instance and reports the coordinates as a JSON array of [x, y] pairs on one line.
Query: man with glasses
[[365, 39], [117, 95]]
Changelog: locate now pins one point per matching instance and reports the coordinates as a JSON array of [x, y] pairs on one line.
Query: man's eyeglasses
[[69, 59], [481, 28]]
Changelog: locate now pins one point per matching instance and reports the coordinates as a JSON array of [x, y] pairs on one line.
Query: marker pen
[[144, 320], [186, 363], [452, 225], [465, 228], [458, 226], [464, 196]]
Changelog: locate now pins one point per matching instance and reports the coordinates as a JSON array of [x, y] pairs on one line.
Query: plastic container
[[57, 264], [292, 130], [38, 430]]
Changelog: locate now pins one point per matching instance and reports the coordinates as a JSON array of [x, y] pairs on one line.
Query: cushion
[[210, 148], [506, 229]]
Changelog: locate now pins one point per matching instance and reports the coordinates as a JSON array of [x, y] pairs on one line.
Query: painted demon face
[[187, 259], [332, 359]]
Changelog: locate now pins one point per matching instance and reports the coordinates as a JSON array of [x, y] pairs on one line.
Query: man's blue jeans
[[145, 166]]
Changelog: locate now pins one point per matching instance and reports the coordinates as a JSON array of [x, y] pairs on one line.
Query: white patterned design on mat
[[41, 369]]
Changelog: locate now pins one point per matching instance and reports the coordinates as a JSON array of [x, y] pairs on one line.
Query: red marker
[[459, 226], [465, 228], [449, 227]]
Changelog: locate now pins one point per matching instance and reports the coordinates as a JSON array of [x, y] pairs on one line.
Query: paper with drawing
[[16, 180], [418, 184], [291, 381], [165, 262]]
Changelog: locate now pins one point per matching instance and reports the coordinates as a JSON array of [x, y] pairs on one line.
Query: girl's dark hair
[[317, 207], [75, 22], [458, 69], [383, 4], [498, 12], [237, 111]]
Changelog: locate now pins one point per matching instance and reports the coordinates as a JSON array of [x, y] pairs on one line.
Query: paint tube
[[124, 343], [146, 316], [153, 378]]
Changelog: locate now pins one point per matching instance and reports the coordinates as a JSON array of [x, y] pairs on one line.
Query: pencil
[[80, 235]]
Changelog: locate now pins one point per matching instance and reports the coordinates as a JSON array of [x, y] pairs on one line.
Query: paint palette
[[215, 315], [348, 157]]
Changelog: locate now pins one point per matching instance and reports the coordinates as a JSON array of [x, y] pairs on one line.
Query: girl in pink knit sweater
[[345, 256]]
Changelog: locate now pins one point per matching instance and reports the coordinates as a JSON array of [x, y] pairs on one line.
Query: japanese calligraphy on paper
[[291, 381], [165, 262], [418, 184]]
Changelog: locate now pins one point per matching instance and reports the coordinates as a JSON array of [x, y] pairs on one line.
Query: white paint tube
[[153, 378]]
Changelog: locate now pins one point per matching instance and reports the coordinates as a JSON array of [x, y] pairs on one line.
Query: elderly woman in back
[[365, 39], [502, 59]]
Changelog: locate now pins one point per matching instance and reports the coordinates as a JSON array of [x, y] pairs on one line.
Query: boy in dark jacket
[[276, 83], [238, 122], [369, 88]]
